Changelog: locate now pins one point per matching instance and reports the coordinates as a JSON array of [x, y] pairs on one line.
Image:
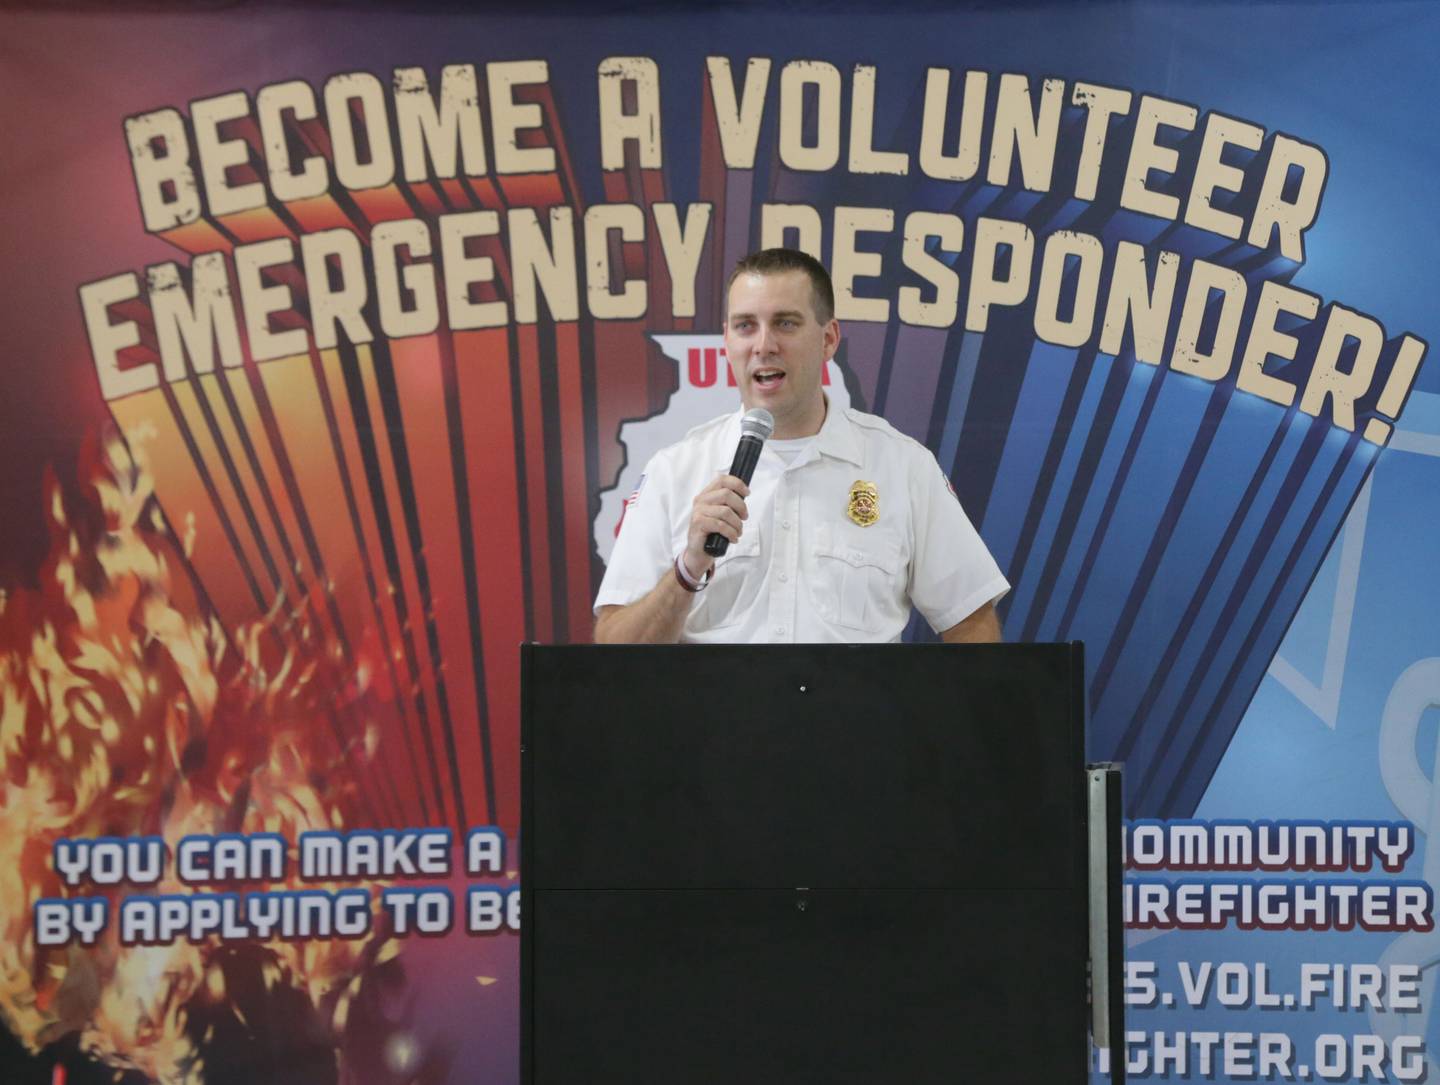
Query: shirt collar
[[838, 437]]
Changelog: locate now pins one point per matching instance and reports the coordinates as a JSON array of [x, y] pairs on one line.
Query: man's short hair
[[779, 261]]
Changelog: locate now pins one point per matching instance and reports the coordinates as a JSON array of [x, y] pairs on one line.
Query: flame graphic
[[126, 709]]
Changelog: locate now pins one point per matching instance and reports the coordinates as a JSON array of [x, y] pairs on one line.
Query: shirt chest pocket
[[734, 586], [859, 577]]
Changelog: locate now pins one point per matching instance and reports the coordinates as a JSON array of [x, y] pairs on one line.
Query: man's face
[[778, 348]]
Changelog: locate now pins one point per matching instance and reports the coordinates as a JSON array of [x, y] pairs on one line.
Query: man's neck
[[807, 427]]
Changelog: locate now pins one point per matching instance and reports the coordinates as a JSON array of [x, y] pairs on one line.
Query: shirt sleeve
[[643, 549], [952, 573]]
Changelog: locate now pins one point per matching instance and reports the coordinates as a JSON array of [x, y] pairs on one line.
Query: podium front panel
[[797, 864]]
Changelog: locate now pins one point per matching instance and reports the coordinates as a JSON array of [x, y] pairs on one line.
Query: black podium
[[828, 864]]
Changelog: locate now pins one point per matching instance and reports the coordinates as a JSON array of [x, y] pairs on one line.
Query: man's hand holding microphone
[[718, 512], [717, 518]]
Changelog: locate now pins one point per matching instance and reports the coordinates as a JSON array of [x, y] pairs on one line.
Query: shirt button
[[780, 630], [784, 577], [785, 524]]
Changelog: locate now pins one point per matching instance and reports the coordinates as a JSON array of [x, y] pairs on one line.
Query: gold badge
[[864, 503]]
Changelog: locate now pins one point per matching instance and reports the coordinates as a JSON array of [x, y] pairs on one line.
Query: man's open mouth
[[767, 378]]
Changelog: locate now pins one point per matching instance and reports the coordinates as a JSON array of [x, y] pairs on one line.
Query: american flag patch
[[634, 496]]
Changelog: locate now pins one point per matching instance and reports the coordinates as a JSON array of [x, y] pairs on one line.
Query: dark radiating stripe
[[1086, 471], [367, 566], [465, 525], [263, 485], [1112, 499], [532, 396], [365, 432], [1050, 462], [590, 402], [517, 411], [418, 372], [575, 418], [1178, 639], [399, 452], [1223, 624], [1264, 617], [263, 482], [1160, 540], [183, 428], [993, 399], [944, 387], [551, 448], [346, 749], [575, 496], [217, 439], [482, 377], [285, 477]]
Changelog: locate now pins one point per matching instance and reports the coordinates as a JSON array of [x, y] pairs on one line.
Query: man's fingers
[[729, 499], [704, 529], [719, 510], [724, 491], [721, 519], [730, 482]]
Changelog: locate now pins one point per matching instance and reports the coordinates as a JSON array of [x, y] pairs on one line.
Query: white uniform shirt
[[804, 571]]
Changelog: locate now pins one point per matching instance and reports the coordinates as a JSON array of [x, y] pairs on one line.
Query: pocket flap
[[879, 550]]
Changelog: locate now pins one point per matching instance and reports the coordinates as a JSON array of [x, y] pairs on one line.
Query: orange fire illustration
[[126, 710]]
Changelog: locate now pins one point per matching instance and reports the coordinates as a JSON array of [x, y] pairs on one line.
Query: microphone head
[[758, 422]]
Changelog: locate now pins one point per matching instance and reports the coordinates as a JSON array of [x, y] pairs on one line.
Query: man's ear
[[832, 338]]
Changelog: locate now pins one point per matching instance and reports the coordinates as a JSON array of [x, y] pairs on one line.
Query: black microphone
[[757, 425]]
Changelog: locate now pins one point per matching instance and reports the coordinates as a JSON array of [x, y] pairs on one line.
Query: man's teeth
[[766, 376]]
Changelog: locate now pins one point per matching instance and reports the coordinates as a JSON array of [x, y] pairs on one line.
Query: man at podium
[[845, 524]]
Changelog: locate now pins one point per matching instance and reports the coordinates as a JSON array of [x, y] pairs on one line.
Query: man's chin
[[755, 397]]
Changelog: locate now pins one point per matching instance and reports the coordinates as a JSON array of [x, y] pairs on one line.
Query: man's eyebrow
[[780, 313]]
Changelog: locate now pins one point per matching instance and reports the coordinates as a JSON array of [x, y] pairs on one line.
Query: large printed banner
[[335, 340]]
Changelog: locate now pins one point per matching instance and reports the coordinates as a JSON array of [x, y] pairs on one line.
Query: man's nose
[[765, 340]]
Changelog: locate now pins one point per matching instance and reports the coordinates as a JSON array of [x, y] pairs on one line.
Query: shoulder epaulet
[[879, 425]]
